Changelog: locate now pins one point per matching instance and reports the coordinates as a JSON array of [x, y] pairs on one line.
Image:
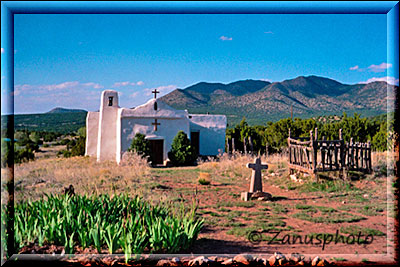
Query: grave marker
[[255, 190]]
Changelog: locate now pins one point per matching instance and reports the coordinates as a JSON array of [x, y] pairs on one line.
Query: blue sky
[[67, 60]]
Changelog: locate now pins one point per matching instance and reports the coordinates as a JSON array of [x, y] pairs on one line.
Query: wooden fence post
[[251, 145], [314, 151], [369, 157], [233, 145], [316, 133]]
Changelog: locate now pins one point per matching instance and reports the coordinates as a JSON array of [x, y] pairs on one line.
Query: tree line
[[274, 135]]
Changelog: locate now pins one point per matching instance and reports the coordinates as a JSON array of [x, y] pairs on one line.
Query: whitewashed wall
[[92, 128], [212, 132], [167, 130], [107, 134]]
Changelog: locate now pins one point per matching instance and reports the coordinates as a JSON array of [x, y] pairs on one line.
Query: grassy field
[[300, 209]]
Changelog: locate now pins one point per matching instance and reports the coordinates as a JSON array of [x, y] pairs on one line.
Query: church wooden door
[[157, 151], [195, 141]]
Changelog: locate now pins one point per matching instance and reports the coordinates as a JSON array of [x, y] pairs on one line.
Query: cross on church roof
[[155, 92], [155, 123]]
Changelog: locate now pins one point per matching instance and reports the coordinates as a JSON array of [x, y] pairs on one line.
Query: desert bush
[[140, 145], [204, 178], [182, 153]]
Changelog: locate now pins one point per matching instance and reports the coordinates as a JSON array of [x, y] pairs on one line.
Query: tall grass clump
[[115, 224]]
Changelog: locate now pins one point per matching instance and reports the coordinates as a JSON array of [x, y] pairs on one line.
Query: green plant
[[140, 145], [182, 153], [204, 181], [117, 222]]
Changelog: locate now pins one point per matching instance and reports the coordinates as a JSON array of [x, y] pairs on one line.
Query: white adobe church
[[109, 131]]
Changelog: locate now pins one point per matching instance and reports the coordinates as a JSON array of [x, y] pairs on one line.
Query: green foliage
[[104, 222], [23, 154], [182, 153], [6, 146], [204, 181], [34, 137], [79, 148], [275, 134], [82, 132], [379, 141], [65, 123], [75, 147], [140, 145]]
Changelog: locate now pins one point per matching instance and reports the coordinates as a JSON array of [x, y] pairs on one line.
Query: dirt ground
[[360, 209]]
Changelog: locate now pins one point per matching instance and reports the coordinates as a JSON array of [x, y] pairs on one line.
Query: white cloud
[[127, 83], [354, 68], [134, 95], [265, 80], [390, 80], [379, 68], [165, 89], [64, 85], [119, 84], [2, 50], [93, 85], [224, 38], [33, 98]]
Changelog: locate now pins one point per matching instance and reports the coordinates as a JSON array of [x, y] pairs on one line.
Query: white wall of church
[[92, 128], [107, 145], [212, 132], [167, 130]]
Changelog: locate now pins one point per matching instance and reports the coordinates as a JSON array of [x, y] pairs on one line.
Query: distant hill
[[65, 110], [261, 101], [64, 123]]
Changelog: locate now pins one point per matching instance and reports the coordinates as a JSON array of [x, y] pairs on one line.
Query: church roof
[[148, 110]]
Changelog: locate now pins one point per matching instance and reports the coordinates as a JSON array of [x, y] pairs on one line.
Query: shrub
[[23, 155], [204, 181], [140, 145], [79, 148], [182, 153]]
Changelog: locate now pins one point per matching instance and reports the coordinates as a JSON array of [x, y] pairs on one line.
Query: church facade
[[110, 131]]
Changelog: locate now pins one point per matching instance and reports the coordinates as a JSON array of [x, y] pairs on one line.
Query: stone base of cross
[[255, 191]]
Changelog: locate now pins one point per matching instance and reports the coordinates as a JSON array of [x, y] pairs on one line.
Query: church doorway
[[195, 141], [157, 151]]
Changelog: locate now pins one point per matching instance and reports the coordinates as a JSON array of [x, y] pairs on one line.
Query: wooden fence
[[309, 155]]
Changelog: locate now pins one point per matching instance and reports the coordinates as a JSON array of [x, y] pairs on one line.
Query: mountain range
[[260, 101], [66, 110]]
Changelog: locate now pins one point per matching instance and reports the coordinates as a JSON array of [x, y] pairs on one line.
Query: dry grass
[[84, 173], [235, 165], [134, 176]]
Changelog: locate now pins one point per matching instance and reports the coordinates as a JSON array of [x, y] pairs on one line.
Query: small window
[[155, 105], [110, 101]]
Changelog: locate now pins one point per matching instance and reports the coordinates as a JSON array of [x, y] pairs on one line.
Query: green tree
[[182, 153], [79, 148], [379, 141], [140, 145], [82, 132], [34, 137]]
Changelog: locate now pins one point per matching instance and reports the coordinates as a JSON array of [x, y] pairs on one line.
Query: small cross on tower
[[155, 123], [155, 92], [255, 190]]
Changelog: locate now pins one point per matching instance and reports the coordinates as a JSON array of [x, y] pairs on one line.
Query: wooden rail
[[315, 156]]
